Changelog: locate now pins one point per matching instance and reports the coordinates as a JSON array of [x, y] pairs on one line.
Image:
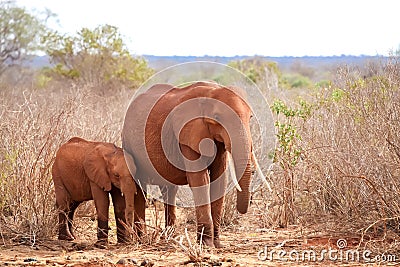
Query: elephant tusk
[[232, 174], [259, 172]]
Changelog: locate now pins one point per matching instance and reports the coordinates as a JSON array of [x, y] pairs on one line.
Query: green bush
[[95, 57], [291, 81]]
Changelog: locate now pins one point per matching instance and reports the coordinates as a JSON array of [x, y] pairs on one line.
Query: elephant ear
[[95, 166]]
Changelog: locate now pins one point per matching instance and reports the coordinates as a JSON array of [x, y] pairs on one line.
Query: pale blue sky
[[227, 28]]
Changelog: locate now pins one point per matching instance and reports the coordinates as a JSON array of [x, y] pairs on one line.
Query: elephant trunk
[[128, 189], [243, 197], [242, 161]]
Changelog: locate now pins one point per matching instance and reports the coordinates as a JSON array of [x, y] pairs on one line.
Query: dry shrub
[[230, 215], [348, 176], [350, 165], [34, 123]]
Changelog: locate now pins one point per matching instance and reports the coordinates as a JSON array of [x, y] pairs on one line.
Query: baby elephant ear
[[95, 167]]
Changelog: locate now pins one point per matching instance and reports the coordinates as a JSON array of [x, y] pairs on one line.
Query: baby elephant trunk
[[128, 189]]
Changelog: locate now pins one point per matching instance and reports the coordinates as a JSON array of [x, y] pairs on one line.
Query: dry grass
[[347, 153], [347, 180], [34, 123]]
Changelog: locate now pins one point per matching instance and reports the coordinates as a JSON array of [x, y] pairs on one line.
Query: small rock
[[216, 263], [226, 259], [121, 261], [68, 258], [30, 260], [146, 263], [100, 245], [133, 261], [79, 246]]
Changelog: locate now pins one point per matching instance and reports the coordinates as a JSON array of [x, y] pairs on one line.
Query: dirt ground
[[246, 244]]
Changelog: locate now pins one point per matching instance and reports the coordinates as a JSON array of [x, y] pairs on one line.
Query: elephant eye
[[116, 175]]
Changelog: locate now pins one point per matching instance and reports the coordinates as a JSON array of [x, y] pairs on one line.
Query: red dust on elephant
[[191, 135], [85, 170]]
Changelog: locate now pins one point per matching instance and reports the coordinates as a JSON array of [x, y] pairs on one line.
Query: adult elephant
[[189, 135], [85, 170]]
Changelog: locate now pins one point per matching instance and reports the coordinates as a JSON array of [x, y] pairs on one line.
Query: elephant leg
[[199, 183], [73, 206], [102, 203], [140, 213], [216, 212], [63, 229], [201, 195], [218, 187], [123, 235], [63, 203], [169, 197]]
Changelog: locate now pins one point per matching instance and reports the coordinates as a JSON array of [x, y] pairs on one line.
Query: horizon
[[160, 62], [263, 56], [254, 56]]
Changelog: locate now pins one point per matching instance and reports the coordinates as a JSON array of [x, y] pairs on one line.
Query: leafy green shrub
[[255, 68], [291, 81], [95, 57], [288, 152]]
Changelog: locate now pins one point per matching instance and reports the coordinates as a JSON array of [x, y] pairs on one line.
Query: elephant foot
[[217, 241], [124, 239], [64, 232], [218, 244], [101, 244], [66, 237], [72, 234], [205, 235], [123, 235], [207, 241], [102, 232]]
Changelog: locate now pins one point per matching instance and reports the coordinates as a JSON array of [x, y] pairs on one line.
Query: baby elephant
[[85, 170]]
